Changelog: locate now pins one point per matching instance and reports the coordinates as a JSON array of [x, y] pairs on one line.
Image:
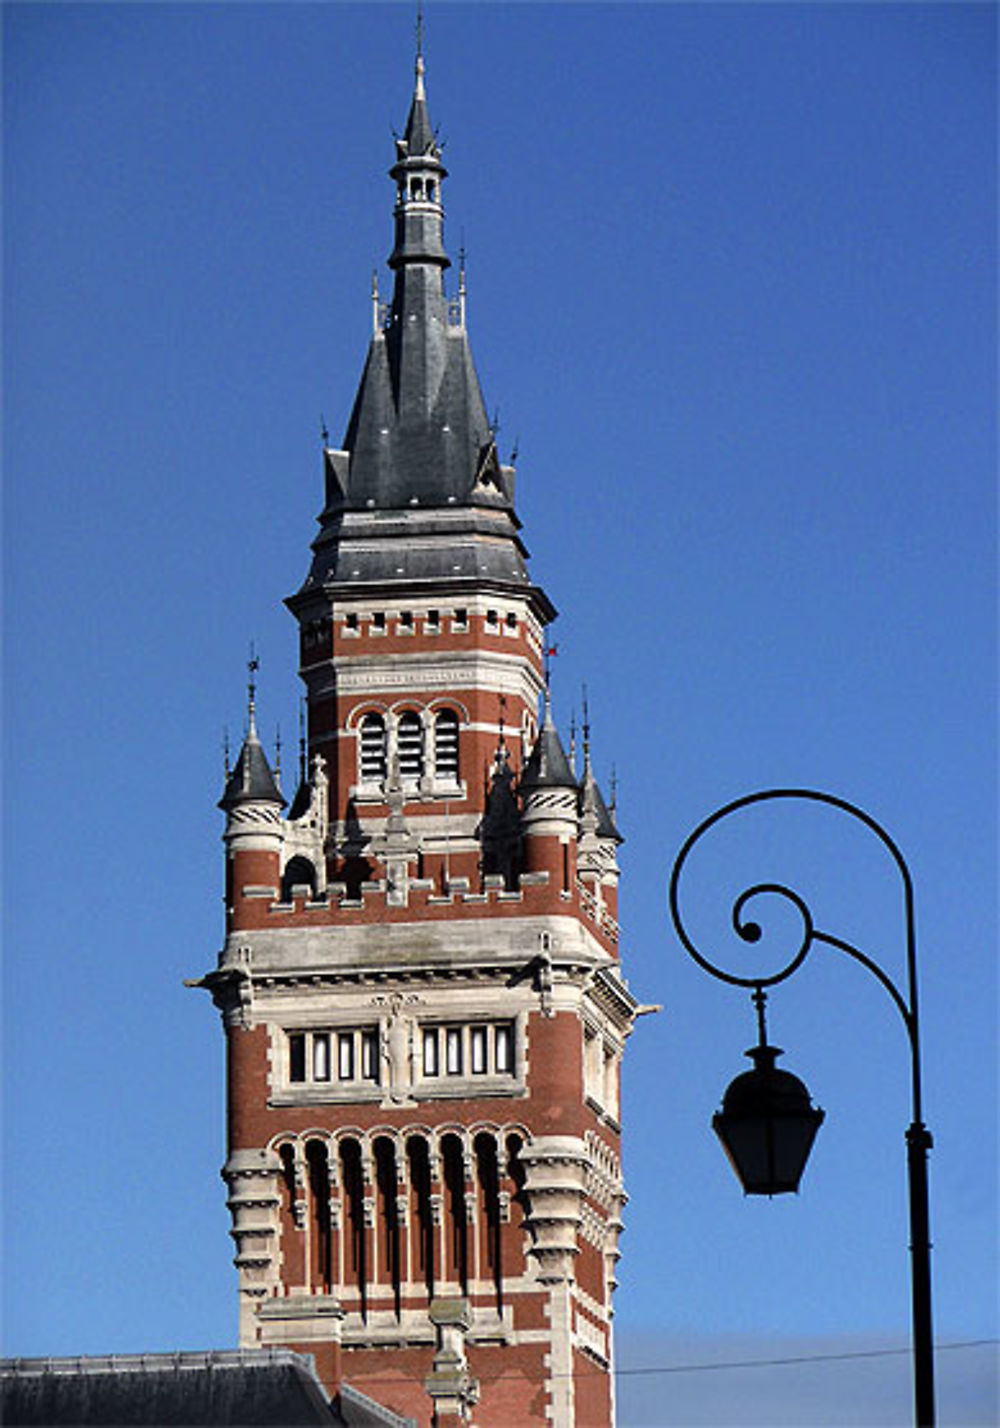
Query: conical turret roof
[[547, 766], [251, 781]]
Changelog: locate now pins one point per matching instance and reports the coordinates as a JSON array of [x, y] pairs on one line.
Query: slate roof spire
[[251, 780], [419, 443], [547, 765]]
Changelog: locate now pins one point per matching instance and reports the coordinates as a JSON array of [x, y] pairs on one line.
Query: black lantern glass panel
[[767, 1126]]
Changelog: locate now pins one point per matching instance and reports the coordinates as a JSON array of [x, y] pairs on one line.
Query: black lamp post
[[767, 1123]]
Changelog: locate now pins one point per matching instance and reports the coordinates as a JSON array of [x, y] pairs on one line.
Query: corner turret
[[549, 793]]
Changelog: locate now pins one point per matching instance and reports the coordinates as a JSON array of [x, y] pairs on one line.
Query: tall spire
[[419, 438]]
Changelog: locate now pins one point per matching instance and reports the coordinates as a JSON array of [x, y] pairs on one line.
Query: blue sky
[[732, 290]]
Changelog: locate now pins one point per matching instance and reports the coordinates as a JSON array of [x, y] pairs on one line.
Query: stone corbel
[[453, 1390]]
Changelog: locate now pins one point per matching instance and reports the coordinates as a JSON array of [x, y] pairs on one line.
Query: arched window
[[488, 1172], [418, 1158], [416, 188], [446, 746], [321, 1269], [387, 1221], [355, 1239], [456, 1223], [410, 746], [299, 873], [372, 765]]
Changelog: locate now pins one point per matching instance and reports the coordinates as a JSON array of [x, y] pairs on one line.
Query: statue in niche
[[397, 1048]]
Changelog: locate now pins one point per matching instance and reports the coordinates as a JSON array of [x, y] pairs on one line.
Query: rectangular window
[[406, 622], [345, 1056], [321, 1056], [369, 1055], [431, 1065], [453, 1051], [477, 1050], [378, 622], [492, 619], [351, 623], [433, 622], [461, 620], [511, 621], [503, 1049], [297, 1057]]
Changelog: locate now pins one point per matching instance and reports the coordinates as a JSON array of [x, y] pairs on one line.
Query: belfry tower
[[420, 985]]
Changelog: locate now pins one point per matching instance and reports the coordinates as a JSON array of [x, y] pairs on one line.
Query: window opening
[[410, 745], [446, 745], [369, 1055], [319, 1195], [453, 1051], [504, 1048], [418, 1156], [431, 1063], [373, 764], [477, 1050], [345, 1056], [297, 1058], [321, 1057]]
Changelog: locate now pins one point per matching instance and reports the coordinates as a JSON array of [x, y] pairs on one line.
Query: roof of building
[[419, 494], [245, 1387], [251, 781], [547, 765], [270, 1386]]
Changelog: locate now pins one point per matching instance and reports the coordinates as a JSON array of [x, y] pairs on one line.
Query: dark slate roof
[[418, 445], [301, 801], [547, 765], [605, 823], [251, 781], [419, 428], [244, 1387]]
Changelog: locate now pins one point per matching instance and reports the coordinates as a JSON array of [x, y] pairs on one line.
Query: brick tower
[[420, 985]]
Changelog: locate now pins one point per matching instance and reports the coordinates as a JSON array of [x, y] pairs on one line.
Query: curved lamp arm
[[750, 931]]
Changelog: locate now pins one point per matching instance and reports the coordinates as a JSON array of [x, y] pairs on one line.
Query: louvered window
[[446, 746], [372, 748], [410, 744]]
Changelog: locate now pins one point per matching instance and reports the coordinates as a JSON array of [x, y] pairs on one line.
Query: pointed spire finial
[[253, 665], [419, 66], [572, 741], [614, 791], [547, 654], [225, 751], [277, 751], [586, 729]]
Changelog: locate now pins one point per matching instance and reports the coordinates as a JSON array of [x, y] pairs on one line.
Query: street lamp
[[767, 1123]]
